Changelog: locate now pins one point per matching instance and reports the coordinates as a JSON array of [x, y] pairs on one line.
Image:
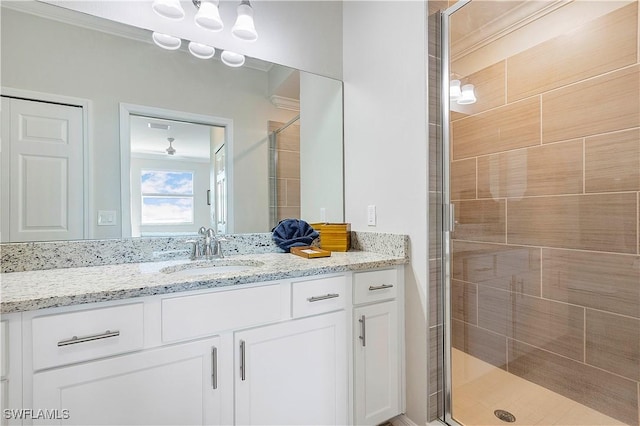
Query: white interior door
[[44, 172]]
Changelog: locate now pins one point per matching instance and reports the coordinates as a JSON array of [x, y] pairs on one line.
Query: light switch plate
[[106, 217], [371, 215]]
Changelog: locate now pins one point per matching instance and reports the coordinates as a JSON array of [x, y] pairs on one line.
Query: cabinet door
[[168, 386], [376, 364], [293, 373]]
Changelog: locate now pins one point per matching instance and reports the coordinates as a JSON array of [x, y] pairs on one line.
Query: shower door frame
[[448, 214]]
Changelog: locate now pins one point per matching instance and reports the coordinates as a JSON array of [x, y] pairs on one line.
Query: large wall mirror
[[266, 139]]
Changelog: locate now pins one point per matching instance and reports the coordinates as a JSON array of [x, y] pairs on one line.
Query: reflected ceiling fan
[[171, 150]]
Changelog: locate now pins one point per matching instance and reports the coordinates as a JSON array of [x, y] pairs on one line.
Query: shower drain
[[505, 416]]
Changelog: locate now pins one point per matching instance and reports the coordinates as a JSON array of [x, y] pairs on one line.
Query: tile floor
[[480, 388]]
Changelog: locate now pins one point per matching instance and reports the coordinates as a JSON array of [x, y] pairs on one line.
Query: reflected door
[[42, 148]]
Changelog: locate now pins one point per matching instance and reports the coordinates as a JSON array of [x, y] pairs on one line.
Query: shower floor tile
[[480, 388]]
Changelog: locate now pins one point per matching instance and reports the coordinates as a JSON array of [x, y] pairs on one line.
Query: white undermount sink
[[211, 267]]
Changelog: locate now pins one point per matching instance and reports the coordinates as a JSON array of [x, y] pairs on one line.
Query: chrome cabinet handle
[[75, 339], [379, 287], [363, 330], [214, 367], [325, 297], [243, 371]]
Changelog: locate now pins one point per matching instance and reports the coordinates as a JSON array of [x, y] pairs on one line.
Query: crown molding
[[285, 103]]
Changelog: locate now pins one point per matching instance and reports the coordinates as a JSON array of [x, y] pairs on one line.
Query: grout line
[[584, 165], [584, 335]]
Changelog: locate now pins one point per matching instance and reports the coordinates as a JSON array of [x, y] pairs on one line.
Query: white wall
[[50, 57], [385, 75], [320, 149]]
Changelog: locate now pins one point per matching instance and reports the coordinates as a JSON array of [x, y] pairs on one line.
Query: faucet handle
[[195, 249]]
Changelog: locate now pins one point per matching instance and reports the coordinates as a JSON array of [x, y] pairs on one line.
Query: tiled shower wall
[[287, 172], [545, 178]]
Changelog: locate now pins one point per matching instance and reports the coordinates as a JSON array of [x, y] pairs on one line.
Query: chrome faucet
[[212, 247]]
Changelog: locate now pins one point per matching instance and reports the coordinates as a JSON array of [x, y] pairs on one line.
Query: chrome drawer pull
[[363, 330], [214, 367], [325, 297], [243, 367], [379, 287], [75, 339]]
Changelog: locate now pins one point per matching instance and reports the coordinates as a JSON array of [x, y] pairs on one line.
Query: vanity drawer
[[373, 286], [318, 296], [208, 314], [84, 335]]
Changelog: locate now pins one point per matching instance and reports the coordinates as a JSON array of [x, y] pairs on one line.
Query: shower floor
[[480, 388]]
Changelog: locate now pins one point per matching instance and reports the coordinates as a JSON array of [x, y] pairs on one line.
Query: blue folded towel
[[293, 233]]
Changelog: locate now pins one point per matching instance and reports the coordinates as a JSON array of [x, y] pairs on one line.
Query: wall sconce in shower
[[207, 17], [464, 95]]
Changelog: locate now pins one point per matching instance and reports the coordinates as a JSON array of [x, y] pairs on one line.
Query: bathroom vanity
[[289, 341]]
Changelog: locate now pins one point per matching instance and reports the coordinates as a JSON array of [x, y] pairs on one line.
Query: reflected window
[[167, 197]]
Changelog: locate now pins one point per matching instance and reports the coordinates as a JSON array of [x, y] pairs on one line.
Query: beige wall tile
[[293, 192], [463, 179], [483, 344], [610, 394], [282, 192], [604, 222], [545, 170], [464, 302], [602, 45], [480, 220], [556, 327], [612, 162], [512, 126], [610, 282], [599, 105], [506, 267], [489, 89], [288, 165], [288, 213], [435, 359], [613, 343]]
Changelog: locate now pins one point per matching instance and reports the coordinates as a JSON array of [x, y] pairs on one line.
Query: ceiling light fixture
[[171, 150], [244, 28], [201, 51], [232, 59], [207, 17], [170, 9], [464, 95], [166, 41], [467, 96]]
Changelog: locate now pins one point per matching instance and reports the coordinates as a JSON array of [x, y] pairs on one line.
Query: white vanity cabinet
[[378, 342], [173, 385], [176, 358], [295, 372], [10, 368]]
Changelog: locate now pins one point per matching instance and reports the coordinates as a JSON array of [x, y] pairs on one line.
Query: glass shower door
[[542, 266]]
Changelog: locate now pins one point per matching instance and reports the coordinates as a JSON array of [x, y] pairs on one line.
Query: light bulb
[[468, 96], [201, 51], [454, 90], [170, 9], [208, 16], [232, 59], [244, 28], [166, 41]]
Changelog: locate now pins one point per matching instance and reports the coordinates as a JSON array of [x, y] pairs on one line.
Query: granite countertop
[[32, 290]]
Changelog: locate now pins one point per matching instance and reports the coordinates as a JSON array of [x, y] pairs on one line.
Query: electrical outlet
[[106, 217], [371, 215]]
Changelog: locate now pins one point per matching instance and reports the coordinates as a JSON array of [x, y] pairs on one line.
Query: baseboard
[[402, 420]]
